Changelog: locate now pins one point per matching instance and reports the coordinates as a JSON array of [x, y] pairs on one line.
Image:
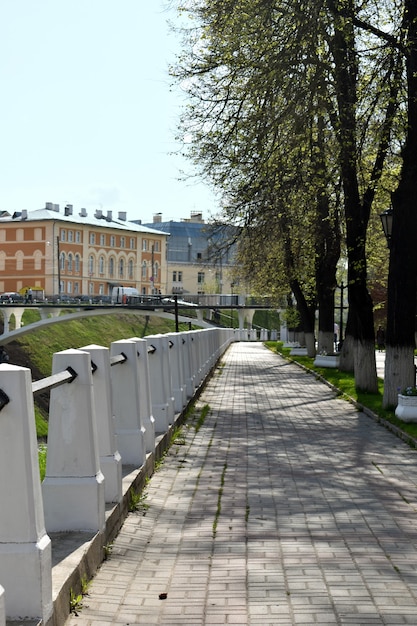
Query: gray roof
[[96, 219]]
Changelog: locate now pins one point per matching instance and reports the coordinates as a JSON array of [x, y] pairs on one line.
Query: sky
[[88, 115]]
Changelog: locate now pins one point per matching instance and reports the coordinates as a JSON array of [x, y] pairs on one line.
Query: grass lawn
[[345, 383]]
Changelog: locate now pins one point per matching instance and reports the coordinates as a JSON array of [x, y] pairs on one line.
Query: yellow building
[[73, 254]]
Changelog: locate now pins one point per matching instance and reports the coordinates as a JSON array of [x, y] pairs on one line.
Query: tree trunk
[[402, 277], [326, 343], [361, 324], [346, 363]]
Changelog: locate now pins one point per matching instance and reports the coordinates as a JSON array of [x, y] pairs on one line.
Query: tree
[[261, 70]]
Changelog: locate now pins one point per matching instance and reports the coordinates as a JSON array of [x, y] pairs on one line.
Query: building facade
[[64, 253], [197, 263]]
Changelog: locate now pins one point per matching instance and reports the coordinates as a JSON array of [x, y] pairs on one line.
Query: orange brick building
[[74, 254]]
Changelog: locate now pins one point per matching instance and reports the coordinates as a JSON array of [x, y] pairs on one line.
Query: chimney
[[49, 206], [157, 218], [122, 216], [55, 207], [68, 209], [109, 216], [98, 214], [83, 213], [24, 215]]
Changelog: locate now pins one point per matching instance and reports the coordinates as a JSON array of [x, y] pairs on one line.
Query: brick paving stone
[[287, 507]]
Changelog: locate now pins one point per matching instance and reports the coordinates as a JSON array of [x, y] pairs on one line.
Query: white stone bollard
[[130, 431], [2, 608], [25, 548], [109, 457], [189, 378], [196, 357], [177, 371], [73, 489], [160, 381], [145, 404]]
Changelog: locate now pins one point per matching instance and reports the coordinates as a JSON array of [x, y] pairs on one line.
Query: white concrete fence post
[[160, 381], [177, 370], [189, 377], [130, 429], [25, 547], [145, 404], [109, 457], [2, 608], [73, 489]]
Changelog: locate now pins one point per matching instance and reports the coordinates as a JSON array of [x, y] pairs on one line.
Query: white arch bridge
[[204, 311]]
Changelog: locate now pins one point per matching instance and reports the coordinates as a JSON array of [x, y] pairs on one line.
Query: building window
[[112, 241], [174, 277], [130, 270], [122, 242], [144, 244], [200, 278], [92, 239], [69, 286], [111, 267], [90, 289], [62, 260], [156, 272], [77, 263], [121, 268], [70, 262], [156, 246], [38, 259], [91, 265], [77, 236], [101, 265], [144, 270], [199, 256], [19, 260], [180, 277], [102, 239], [132, 243], [63, 235], [77, 288], [70, 236], [101, 290]]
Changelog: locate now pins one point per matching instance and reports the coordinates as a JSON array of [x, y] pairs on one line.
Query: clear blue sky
[[87, 117]]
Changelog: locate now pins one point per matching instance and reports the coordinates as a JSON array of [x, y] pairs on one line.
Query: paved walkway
[[286, 507]]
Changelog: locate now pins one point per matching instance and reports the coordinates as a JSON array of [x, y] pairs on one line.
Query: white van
[[122, 295]]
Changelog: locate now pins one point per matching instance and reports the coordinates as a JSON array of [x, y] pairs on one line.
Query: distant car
[[11, 296], [100, 299]]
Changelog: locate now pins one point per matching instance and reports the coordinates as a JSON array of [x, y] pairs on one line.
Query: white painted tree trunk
[[399, 372], [310, 345], [364, 363], [326, 342]]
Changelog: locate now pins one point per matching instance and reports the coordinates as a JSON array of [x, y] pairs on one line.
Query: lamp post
[[386, 220]]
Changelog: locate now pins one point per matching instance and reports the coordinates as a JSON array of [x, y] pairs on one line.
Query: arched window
[[19, 260], [144, 270], [91, 264], [70, 262], [111, 267], [101, 265], [77, 262], [130, 270], [121, 268], [37, 255], [156, 271], [62, 264]]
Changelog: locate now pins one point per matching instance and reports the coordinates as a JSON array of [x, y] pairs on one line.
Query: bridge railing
[[109, 410]]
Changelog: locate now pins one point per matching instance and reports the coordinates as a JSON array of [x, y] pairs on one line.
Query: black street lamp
[[386, 220]]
